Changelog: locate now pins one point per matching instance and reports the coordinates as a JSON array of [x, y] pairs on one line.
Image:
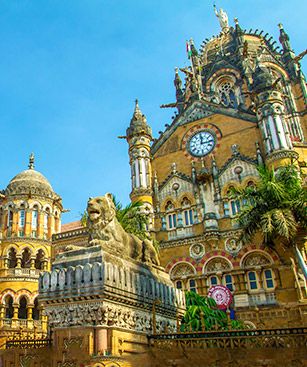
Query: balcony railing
[[22, 323], [262, 299], [269, 338], [180, 233], [28, 343], [22, 272]]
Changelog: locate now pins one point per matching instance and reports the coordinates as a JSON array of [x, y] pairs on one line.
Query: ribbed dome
[[30, 181], [30, 178]]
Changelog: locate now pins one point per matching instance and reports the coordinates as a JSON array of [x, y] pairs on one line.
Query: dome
[[30, 181]]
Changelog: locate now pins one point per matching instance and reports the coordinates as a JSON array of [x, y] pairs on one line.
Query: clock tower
[[242, 103]]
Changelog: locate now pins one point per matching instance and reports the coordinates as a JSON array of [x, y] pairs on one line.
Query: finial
[[31, 161], [137, 114], [280, 26], [236, 20]]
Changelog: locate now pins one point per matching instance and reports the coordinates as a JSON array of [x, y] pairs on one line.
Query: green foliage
[[202, 313], [132, 219], [276, 205], [83, 218]]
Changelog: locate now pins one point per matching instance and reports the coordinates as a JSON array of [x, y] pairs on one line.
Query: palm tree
[[132, 219], [275, 206], [202, 314]]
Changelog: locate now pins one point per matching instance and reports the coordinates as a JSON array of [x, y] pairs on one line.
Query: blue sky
[[71, 70]]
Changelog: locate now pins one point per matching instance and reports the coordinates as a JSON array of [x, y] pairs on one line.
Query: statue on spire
[[31, 161], [222, 17]]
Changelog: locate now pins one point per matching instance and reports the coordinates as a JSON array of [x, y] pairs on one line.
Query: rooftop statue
[[105, 230], [222, 17]]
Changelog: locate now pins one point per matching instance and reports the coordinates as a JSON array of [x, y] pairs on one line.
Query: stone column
[[29, 312], [18, 257], [40, 226], [50, 226], [2, 314], [101, 341], [32, 263], [15, 223]]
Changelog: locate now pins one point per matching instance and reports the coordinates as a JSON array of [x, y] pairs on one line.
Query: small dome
[[30, 181]]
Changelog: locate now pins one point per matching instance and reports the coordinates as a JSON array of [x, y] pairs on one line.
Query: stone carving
[[106, 315], [222, 17], [233, 246], [256, 260], [217, 265], [105, 230], [197, 251], [182, 270]]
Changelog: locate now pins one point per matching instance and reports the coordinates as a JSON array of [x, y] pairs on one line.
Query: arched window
[[21, 221], [12, 259], [171, 218], [192, 285], [268, 278], [56, 222], [34, 221], [228, 282], [187, 212], [213, 280], [179, 284], [39, 260], [22, 311], [35, 311], [26, 258], [46, 222], [226, 209], [9, 309], [252, 280], [9, 221], [226, 93]]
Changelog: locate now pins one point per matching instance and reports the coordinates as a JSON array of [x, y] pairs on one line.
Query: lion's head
[[101, 210]]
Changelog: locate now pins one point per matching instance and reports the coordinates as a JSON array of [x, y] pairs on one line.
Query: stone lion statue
[[105, 230]]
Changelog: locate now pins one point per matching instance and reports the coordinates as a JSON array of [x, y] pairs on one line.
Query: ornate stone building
[[30, 212], [242, 103]]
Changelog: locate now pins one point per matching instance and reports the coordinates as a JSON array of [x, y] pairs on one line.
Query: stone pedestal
[[114, 299]]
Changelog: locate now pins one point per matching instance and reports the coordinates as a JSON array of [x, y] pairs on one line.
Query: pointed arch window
[[39, 260], [9, 309], [226, 91], [171, 217], [22, 310], [36, 311], [26, 258], [12, 258]]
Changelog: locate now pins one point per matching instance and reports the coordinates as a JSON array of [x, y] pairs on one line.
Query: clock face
[[201, 143]]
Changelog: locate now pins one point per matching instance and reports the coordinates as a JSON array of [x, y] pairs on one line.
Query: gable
[[196, 111]]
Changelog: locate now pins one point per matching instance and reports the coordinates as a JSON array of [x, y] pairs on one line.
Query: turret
[[139, 136], [270, 113]]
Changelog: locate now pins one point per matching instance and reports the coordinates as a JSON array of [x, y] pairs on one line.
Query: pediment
[[181, 182], [228, 171]]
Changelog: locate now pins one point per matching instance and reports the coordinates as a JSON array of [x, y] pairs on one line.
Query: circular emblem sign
[[221, 295]]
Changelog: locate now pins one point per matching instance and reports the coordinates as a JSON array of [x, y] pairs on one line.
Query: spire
[[284, 38], [137, 114], [138, 123], [31, 161]]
